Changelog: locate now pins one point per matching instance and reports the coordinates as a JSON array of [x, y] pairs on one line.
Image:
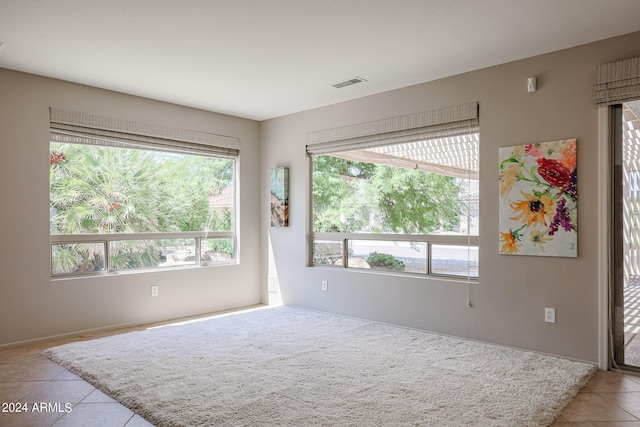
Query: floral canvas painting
[[539, 199]]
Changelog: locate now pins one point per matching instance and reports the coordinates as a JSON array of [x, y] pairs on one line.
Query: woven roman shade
[[83, 128], [443, 141], [617, 82]]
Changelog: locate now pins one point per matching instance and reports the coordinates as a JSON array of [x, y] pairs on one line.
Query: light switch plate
[[550, 315]]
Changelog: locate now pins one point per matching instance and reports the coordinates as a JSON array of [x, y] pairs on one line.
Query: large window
[[116, 204], [403, 200]]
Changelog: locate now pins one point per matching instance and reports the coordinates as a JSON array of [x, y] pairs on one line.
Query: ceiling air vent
[[348, 82]]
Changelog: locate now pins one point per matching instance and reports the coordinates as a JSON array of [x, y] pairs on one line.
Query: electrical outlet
[[154, 290], [325, 285], [550, 315]]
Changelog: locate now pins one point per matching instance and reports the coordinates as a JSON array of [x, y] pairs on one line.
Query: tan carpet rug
[[290, 367]]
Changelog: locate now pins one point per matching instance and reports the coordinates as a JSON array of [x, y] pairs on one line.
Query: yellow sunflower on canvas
[[533, 210]]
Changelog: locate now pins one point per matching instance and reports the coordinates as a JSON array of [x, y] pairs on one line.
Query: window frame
[[429, 240], [458, 120], [106, 238], [90, 130]]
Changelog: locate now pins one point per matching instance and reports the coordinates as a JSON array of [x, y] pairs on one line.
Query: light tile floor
[[53, 396], [611, 399]]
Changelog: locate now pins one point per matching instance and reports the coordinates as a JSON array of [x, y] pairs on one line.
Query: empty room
[[320, 213]]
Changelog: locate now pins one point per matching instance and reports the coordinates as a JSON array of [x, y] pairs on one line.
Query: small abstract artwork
[[280, 197], [538, 210]]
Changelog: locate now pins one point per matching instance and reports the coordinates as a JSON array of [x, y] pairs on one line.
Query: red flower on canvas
[[554, 172]]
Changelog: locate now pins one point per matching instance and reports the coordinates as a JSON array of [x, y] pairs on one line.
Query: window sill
[[96, 274], [400, 274]]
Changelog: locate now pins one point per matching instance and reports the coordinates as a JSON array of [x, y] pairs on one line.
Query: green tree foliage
[[337, 193], [97, 189], [101, 190], [192, 181], [347, 194], [106, 190], [413, 201]]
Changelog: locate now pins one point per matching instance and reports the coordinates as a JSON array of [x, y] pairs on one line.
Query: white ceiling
[[267, 58]]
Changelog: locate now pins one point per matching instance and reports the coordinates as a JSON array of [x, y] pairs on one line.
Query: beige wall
[[31, 305], [509, 300]]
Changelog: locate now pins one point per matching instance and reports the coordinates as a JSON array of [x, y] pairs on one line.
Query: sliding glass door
[[626, 239]]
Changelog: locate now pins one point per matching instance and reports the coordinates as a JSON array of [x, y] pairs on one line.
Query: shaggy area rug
[[291, 367]]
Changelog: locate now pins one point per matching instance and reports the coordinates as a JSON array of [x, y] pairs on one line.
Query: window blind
[[445, 122], [617, 82], [83, 128]]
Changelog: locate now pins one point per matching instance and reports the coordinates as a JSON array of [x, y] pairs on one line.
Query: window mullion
[[107, 256], [345, 253], [198, 250]]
